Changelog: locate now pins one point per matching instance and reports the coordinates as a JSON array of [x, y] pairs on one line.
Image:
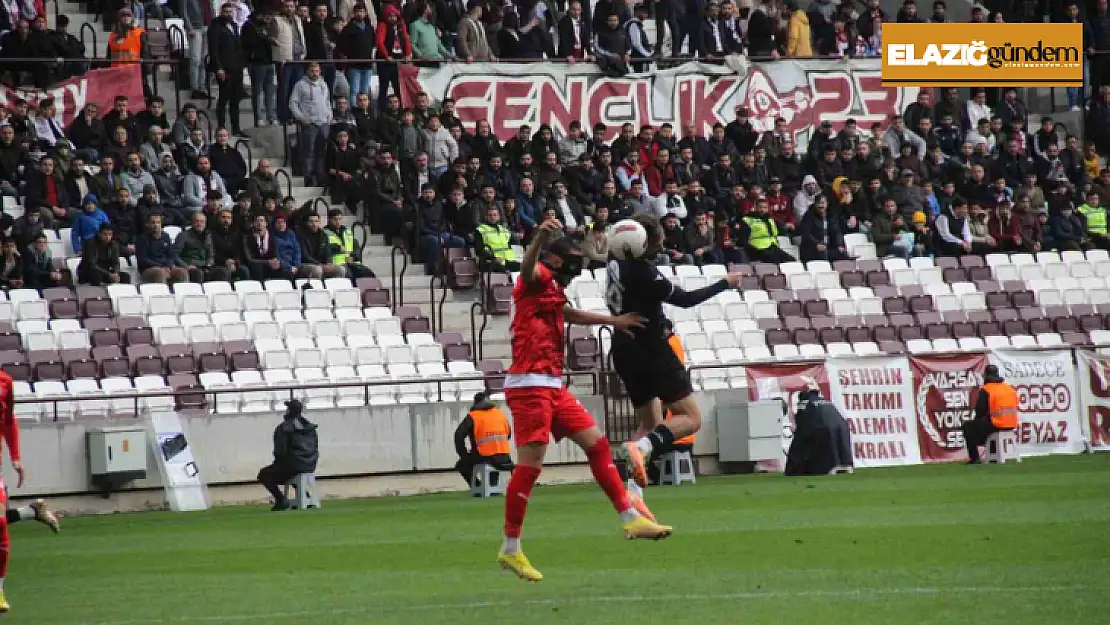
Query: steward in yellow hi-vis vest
[[996, 410], [488, 432]]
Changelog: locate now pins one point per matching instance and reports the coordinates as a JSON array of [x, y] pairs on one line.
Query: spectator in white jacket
[[670, 202], [310, 107], [199, 183], [441, 147]]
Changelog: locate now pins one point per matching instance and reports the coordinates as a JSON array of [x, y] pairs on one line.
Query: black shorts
[[650, 370]]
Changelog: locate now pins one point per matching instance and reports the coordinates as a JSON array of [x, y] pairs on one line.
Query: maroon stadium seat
[[817, 308], [878, 278], [796, 323], [946, 262], [82, 369], [1023, 299], [858, 334], [895, 305], [493, 371], [851, 279], [884, 333], [979, 274], [1014, 327], [462, 273], [868, 265], [970, 262], [765, 269], [934, 331], [892, 347], [988, 328], [769, 324], [962, 329], [805, 336], [245, 361], [909, 333], [834, 335], [778, 337], [920, 303], [975, 316], [909, 291], [955, 275], [790, 309], [820, 322], [774, 282]]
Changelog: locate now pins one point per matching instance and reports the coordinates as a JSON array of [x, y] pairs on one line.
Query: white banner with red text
[[1048, 403], [1094, 384], [805, 93], [905, 411]]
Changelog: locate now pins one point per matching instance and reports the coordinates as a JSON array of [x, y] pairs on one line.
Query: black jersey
[[637, 287]]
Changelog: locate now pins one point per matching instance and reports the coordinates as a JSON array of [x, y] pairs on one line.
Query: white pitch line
[[587, 600]]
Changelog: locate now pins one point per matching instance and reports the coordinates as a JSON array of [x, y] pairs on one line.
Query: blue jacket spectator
[[286, 244], [87, 223]]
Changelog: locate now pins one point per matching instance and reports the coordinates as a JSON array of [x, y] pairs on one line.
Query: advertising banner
[[1048, 404], [1094, 384], [944, 392], [99, 86], [802, 92], [874, 396]]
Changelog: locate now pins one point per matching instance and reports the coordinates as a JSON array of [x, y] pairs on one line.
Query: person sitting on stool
[[996, 410], [488, 430], [296, 451]]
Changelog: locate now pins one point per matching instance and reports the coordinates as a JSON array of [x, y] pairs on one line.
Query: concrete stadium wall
[[231, 449]]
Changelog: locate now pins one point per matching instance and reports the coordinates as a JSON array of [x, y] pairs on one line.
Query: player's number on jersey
[[614, 293]]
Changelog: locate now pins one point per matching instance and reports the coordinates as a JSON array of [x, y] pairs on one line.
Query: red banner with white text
[[99, 86], [1094, 384], [944, 392], [802, 92]]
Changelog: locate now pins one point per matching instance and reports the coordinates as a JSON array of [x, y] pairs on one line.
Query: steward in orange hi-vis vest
[[996, 409], [676, 345], [487, 431]]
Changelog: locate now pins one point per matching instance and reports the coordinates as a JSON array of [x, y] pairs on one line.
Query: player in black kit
[[654, 377]]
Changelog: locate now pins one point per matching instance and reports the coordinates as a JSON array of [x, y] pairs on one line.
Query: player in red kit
[[541, 406], [9, 433]]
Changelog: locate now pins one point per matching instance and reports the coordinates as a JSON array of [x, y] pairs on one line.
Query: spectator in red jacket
[[659, 173], [393, 44], [781, 208]]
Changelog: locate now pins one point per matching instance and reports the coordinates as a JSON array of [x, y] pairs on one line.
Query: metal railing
[[249, 154], [397, 280]]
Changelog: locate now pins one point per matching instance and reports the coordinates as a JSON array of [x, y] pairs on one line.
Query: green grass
[[946, 544]]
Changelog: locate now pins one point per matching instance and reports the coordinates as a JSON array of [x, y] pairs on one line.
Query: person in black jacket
[[574, 35], [227, 60], [258, 50], [822, 442], [318, 45], [357, 42], [761, 31], [100, 260], [11, 265], [821, 234], [296, 451]]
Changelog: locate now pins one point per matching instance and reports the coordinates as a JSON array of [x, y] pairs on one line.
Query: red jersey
[[9, 429], [537, 327]]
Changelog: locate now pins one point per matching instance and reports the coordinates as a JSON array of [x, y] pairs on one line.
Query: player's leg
[[574, 422], [531, 409], [4, 549], [670, 382], [648, 416], [37, 510]]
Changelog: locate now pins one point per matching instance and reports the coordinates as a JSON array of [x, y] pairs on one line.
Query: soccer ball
[[628, 241]]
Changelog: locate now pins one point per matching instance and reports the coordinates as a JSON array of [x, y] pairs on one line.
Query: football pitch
[[1011, 544]]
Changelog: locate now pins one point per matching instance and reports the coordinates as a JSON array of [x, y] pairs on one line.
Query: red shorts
[[540, 413]]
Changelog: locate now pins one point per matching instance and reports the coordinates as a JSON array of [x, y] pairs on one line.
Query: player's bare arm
[[625, 323], [545, 233]]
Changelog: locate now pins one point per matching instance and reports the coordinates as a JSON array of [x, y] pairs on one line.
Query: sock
[[26, 513], [510, 545], [605, 473], [629, 515], [516, 498], [633, 488], [657, 442], [4, 542]]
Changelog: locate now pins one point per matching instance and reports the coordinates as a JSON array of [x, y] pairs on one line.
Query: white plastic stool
[[677, 467], [485, 480], [1002, 446], [305, 485]]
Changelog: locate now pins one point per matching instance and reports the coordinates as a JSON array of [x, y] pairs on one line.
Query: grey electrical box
[[749, 431], [117, 455]]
